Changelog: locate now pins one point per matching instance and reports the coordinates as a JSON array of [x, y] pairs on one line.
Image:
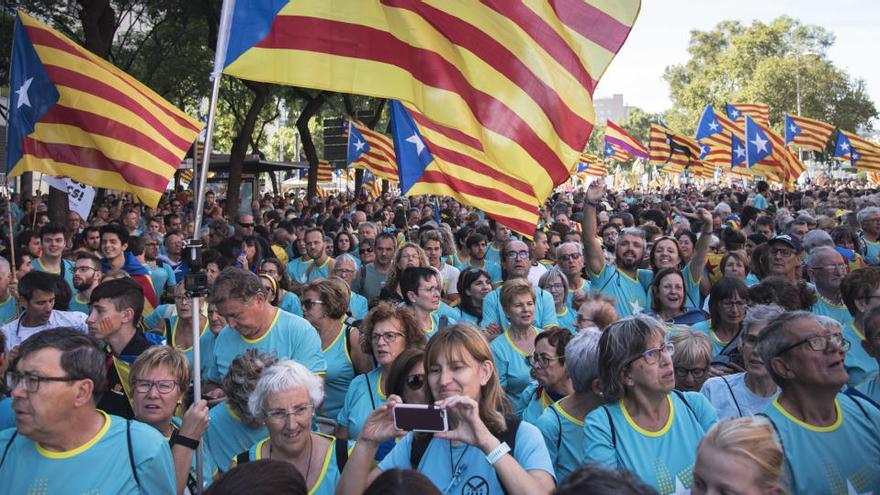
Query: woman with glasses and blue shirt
[[645, 426], [556, 283], [727, 309], [388, 329], [548, 368], [285, 400]]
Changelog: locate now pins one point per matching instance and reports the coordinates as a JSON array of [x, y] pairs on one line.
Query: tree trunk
[[302, 124], [241, 143]]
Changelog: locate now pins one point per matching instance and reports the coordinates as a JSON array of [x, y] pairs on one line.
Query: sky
[[661, 33]]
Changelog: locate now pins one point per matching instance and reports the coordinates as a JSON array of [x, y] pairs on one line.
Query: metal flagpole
[[195, 243]]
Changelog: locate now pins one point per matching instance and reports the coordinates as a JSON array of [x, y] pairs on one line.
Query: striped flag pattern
[[325, 171], [618, 136], [505, 85], [860, 152], [807, 133], [782, 165], [674, 153], [106, 128], [186, 175], [616, 152], [591, 165], [380, 158], [758, 111]]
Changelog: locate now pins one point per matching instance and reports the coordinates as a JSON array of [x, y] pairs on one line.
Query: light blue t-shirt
[[296, 266], [535, 399], [705, 326], [823, 307], [66, 270], [545, 309], [871, 387], [476, 475], [663, 459], [731, 398], [567, 318], [161, 312], [340, 374], [564, 437], [226, 437], [289, 337], [206, 343], [569, 298], [364, 394], [329, 476], [858, 363], [305, 272], [359, 306], [760, 202], [76, 304], [872, 252], [7, 414], [513, 372], [436, 315], [162, 277], [9, 309], [631, 295], [840, 458], [102, 465], [493, 254], [493, 269], [291, 303]]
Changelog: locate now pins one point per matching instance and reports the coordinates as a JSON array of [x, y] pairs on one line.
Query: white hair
[[282, 376], [4, 265], [582, 359]]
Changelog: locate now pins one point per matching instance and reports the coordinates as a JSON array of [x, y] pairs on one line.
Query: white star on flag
[[844, 146], [856, 156], [414, 139], [735, 114], [359, 145], [794, 128], [714, 125], [851, 490], [740, 152], [760, 144], [635, 306], [22, 93]]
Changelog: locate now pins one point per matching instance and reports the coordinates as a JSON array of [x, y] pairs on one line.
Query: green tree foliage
[[761, 63]]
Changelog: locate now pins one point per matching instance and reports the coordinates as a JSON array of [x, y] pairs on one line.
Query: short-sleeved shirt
[[824, 307], [289, 337], [567, 319], [663, 459], [309, 271], [476, 474], [358, 306], [449, 279], [79, 304], [731, 398], [841, 458], [493, 269], [226, 436], [564, 436], [206, 343], [9, 310], [363, 395], [101, 465], [369, 281], [859, 364], [536, 400], [569, 298], [66, 270], [545, 309], [340, 373], [162, 276], [161, 312], [630, 294], [329, 476], [871, 387], [16, 332], [872, 252], [718, 345], [291, 303], [510, 364]]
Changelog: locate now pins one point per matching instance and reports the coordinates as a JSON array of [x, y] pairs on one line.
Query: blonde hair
[[394, 272], [462, 339], [162, 355], [753, 439], [513, 288], [691, 346], [333, 293]]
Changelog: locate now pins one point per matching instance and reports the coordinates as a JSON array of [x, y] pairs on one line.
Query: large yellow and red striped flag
[[860, 152], [807, 133], [767, 154], [378, 156], [515, 79], [73, 114], [616, 135]]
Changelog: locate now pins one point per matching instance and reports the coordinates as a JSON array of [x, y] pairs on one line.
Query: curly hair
[[394, 271], [241, 380], [384, 311]]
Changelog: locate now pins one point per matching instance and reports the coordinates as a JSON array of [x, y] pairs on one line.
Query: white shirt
[[449, 279], [16, 332], [535, 273]]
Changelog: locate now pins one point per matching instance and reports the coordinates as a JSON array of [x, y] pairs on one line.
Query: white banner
[[79, 196]]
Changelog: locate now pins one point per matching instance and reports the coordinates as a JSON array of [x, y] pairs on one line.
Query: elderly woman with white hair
[[562, 424], [285, 400], [556, 283]]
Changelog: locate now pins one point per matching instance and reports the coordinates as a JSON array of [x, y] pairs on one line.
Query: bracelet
[[178, 439], [596, 206], [497, 453]]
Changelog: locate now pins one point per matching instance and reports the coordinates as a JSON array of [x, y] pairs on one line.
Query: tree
[[761, 63]]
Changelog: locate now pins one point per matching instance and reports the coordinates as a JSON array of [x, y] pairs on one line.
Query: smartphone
[[419, 417]]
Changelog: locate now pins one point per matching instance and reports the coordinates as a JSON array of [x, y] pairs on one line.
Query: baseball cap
[[792, 242]]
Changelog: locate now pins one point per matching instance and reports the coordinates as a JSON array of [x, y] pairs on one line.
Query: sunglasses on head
[[415, 382]]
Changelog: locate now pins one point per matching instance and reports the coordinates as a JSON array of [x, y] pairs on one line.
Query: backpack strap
[[681, 396], [8, 446], [558, 422], [613, 430], [732, 395], [131, 453], [418, 447], [341, 454], [443, 323], [852, 393]]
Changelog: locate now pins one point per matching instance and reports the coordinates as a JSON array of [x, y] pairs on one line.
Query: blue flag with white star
[[413, 156], [791, 129], [357, 145], [733, 113], [843, 147], [737, 152], [757, 144], [708, 123], [32, 93]]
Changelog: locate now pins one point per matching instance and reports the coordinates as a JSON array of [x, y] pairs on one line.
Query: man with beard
[[86, 276], [517, 262], [477, 247], [91, 240], [624, 281], [320, 264], [371, 276]]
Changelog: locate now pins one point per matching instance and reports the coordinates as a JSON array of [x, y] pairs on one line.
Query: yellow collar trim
[[512, 345], [653, 434], [808, 426], [271, 326], [82, 448], [558, 406], [232, 413], [327, 457], [174, 335], [856, 331], [259, 453], [336, 339]]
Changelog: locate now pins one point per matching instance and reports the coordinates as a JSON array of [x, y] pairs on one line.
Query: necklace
[[453, 468], [308, 459]]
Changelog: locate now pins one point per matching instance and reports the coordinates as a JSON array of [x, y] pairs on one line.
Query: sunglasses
[[247, 225], [415, 382]]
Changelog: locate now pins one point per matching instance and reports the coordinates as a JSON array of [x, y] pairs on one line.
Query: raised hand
[[379, 425], [469, 429], [596, 192]]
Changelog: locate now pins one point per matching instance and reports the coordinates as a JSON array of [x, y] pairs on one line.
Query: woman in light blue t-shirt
[[486, 449]]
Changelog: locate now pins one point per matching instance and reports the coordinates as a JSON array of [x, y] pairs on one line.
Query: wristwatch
[[178, 439]]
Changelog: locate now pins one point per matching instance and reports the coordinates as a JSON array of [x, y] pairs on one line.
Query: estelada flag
[[74, 114]]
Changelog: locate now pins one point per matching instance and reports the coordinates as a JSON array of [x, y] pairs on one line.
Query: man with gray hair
[[869, 222], [827, 268], [831, 440], [816, 238], [253, 323], [345, 268]]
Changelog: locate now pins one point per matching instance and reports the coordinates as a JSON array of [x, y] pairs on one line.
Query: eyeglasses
[[281, 415], [570, 257], [512, 255], [542, 359], [556, 286], [309, 303], [785, 253], [415, 382], [651, 356], [388, 337], [728, 304], [31, 382], [343, 271], [247, 225], [366, 250], [836, 268], [163, 386], [695, 372], [819, 343]]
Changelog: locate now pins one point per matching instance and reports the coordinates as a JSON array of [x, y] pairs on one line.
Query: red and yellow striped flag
[[510, 81], [618, 136], [758, 111], [616, 152], [672, 151], [810, 134], [325, 171], [591, 165], [380, 158], [100, 126]]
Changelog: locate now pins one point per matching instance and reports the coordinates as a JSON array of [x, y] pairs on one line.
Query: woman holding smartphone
[[476, 450]]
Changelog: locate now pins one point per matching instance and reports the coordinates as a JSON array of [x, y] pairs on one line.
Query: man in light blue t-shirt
[[62, 443], [253, 323], [831, 440], [860, 292]]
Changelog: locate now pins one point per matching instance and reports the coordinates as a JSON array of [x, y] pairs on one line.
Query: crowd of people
[[711, 339]]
